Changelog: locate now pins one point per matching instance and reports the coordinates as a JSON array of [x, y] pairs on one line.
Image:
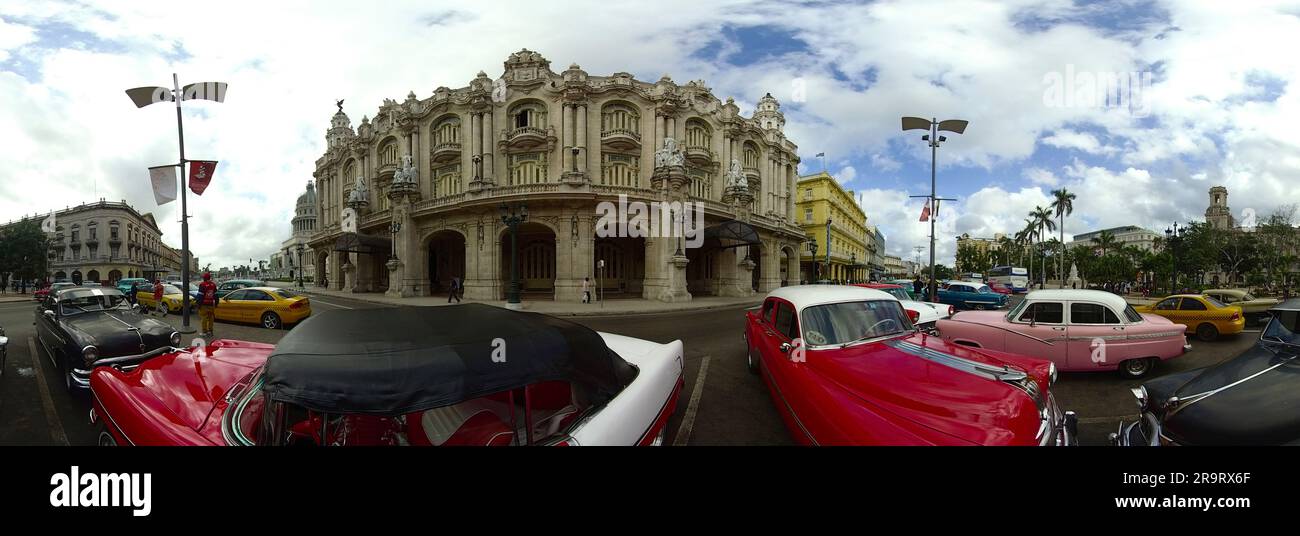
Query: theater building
[[413, 196]]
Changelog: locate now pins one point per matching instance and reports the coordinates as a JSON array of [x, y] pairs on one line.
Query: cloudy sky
[[1213, 102]]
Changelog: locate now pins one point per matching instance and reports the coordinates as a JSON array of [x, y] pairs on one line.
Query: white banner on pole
[[164, 183]]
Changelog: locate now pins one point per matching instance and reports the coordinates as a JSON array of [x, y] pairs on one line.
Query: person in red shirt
[[207, 303], [158, 307]]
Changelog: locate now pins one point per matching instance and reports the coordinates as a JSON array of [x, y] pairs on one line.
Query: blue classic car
[[970, 295]]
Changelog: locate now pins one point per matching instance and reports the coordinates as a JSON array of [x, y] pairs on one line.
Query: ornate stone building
[[1218, 215], [284, 264], [561, 143]]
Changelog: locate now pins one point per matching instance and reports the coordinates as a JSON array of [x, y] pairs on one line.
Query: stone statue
[[407, 173], [669, 155], [339, 103], [736, 177], [359, 192]]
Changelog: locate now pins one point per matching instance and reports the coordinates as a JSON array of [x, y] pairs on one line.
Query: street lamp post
[[812, 249], [1174, 235], [144, 96], [828, 245], [934, 126], [300, 249], [853, 267], [512, 215]]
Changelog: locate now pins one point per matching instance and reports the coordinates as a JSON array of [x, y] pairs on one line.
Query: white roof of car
[[1067, 294], [808, 295]]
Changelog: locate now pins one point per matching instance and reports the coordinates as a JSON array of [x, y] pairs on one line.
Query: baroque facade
[[410, 198]]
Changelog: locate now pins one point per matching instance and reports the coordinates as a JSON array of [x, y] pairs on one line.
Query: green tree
[[1043, 219], [24, 250]]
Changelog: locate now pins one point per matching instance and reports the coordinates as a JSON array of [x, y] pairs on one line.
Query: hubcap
[[269, 321], [1137, 366], [106, 439]]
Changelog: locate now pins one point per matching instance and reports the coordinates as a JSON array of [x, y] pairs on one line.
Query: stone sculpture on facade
[[406, 175], [359, 195], [669, 155]]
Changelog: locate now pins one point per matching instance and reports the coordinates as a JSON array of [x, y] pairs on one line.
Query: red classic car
[[464, 375], [845, 366], [1000, 288]]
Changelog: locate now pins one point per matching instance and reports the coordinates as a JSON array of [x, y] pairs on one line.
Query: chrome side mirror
[[49, 313], [785, 347]]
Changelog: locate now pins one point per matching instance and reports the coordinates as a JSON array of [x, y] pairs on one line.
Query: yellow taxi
[[1205, 316], [271, 307], [172, 300]]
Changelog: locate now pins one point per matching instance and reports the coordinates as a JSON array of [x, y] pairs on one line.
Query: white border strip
[[688, 420]]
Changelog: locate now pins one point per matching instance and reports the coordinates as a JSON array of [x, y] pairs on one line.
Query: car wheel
[[1207, 332], [271, 321], [1137, 368], [750, 362], [105, 439]]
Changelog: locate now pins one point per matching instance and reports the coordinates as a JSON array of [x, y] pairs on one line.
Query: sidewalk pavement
[[15, 297], [622, 306]]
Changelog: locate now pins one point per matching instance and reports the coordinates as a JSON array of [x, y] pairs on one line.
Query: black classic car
[[79, 326], [1251, 399]]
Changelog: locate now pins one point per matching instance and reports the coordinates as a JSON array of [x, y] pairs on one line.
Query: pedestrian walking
[[586, 290], [454, 291], [917, 285], [207, 304]]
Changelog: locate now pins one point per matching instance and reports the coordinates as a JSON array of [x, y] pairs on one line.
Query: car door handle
[[1058, 328]]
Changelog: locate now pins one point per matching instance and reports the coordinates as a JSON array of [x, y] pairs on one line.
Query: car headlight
[[175, 339], [89, 354], [1051, 373], [1140, 393]]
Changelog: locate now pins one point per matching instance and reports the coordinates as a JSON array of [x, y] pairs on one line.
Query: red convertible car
[[845, 366], [464, 375]]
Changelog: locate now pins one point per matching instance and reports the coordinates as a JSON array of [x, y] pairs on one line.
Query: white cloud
[[846, 174], [1083, 141], [1037, 175], [13, 36]]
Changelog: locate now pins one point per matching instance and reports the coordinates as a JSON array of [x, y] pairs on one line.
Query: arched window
[[620, 117], [446, 131], [446, 180], [388, 153], [528, 114], [698, 134], [751, 155], [701, 182]]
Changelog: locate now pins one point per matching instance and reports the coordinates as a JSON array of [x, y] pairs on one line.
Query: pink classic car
[[1078, 330]]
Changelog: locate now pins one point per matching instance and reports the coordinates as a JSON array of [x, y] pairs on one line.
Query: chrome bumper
[[1134, 434]]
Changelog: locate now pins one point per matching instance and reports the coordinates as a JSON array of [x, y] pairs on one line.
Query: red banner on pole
[[201, 174]]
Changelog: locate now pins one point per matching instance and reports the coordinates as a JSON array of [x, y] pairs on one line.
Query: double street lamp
[[512, 215], [812, 250], [934, 126], [1174, 236]]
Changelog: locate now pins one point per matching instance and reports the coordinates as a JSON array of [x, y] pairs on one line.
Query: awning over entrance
[[730, 234], [361, 243]]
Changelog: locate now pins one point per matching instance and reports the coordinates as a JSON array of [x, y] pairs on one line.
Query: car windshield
[[983, 289], [843, 323], [1215, 302], [90, 302], [287, 293], [897, 293], [1015, 311], [169, 289], [1132, 314], [1247, 297], [1283, 328]]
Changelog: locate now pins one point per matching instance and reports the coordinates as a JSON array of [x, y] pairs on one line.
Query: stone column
[[571, 264], [770, 276], [581, 127], [659, 131], [482, 259], [566, 138], [488, 164]]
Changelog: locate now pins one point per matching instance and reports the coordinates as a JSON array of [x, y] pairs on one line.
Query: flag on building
[[925, 213], [164, 183], [201, 174], [819, 155], [48, 225]]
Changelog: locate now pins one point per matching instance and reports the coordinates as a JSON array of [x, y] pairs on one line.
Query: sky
[[1208, 98]]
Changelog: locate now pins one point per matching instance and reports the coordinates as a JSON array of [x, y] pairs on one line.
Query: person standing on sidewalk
[[158, 308], [454, 291], [586, 290], [207, 304]]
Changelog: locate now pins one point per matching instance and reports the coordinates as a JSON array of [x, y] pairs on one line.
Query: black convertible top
[[394, 361]]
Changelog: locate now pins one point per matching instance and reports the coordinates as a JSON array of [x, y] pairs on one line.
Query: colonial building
[[105, 241], [821, 198], [1128, 235], [896, 267], [412, 197], [1218, 215], [877, 264], [985, 246]]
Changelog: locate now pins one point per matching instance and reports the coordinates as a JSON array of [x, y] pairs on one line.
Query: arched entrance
[[92, 276], [785, 266], [624, 272], [114, 276], [791, 273], [536, 261], [60, 275], [755, 253], [702, 271], [322, 269], [76, 277], [445, 259]]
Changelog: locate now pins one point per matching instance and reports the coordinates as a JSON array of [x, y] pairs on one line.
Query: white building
[[1128, 235]]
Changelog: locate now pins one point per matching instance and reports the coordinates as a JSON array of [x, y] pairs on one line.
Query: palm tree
[[1106, 241], [1043, 217], [1064, 206]]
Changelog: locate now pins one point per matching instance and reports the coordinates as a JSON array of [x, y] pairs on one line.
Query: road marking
[[1251, 330], [51, 415], [331, 304], [688, 420]]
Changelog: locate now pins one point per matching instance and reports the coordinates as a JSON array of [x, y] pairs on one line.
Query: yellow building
[[820, 197]]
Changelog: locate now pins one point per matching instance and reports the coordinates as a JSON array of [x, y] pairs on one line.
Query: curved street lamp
[[934, 126]]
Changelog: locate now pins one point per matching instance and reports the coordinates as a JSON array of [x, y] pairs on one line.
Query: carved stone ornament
[[669, 155]]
